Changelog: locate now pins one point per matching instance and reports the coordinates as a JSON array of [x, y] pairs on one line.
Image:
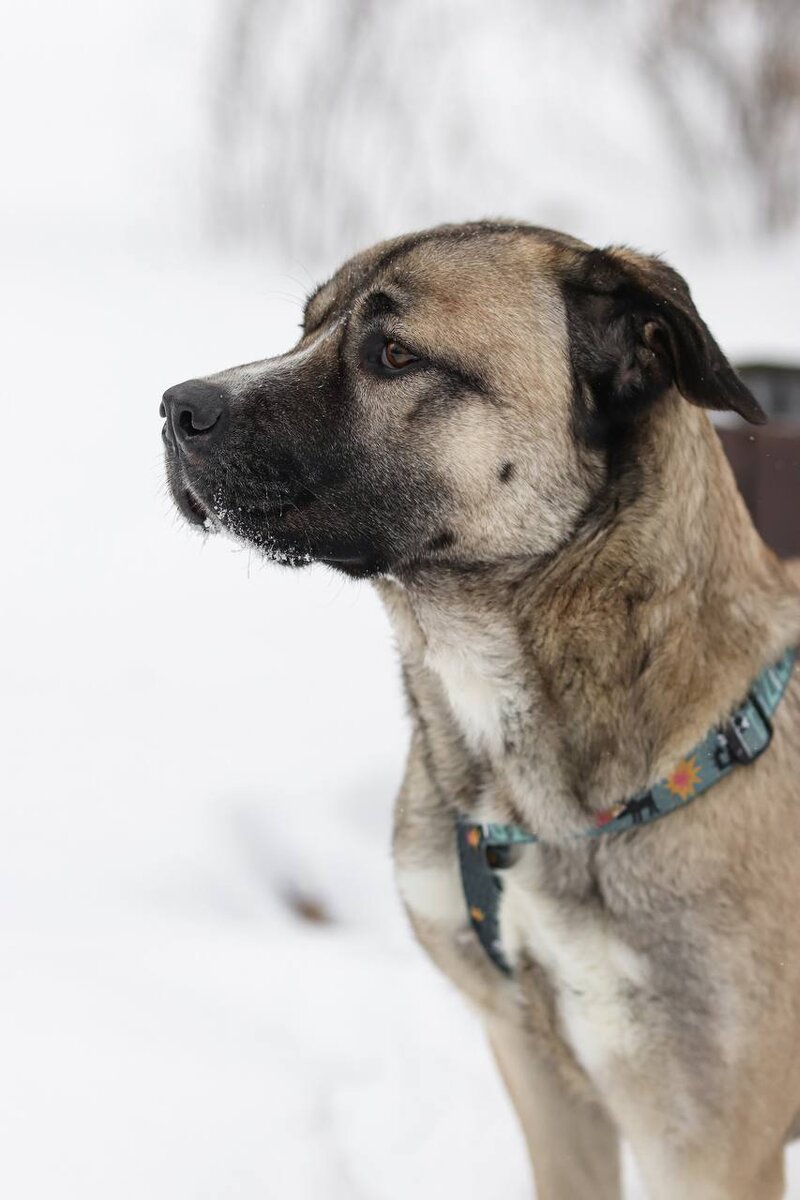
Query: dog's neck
[[585, 678]]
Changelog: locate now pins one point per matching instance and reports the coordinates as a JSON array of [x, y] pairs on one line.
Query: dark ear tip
[[746, 405], [748, 409], [741, 399]]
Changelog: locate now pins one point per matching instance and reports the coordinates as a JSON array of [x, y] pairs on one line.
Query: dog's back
[[793, 567]]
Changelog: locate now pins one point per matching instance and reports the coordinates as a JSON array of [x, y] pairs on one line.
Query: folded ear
[[635, 332]]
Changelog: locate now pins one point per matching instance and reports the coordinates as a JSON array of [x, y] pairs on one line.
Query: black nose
[[196, 414]]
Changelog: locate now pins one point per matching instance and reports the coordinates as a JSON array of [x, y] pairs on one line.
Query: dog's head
[[455, 396]]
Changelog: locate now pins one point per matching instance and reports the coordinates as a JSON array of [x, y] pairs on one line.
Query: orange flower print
[[607, 814], [474, 837], [477, 914], [684, 779]]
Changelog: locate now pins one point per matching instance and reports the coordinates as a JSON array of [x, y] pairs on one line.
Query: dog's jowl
[[598, 834]]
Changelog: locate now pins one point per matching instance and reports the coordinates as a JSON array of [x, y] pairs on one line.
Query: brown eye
[[395, 357]]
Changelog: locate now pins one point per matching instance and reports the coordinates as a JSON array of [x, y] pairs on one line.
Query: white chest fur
[[597, 978], [479, 673]]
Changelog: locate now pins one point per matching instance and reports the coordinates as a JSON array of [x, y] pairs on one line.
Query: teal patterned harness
[[484, 850]]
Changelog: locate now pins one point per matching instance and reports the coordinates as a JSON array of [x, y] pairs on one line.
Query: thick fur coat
[[505, 430]]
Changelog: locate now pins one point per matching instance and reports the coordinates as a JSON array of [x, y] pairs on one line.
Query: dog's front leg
[[573, 1145], [712, 1171]]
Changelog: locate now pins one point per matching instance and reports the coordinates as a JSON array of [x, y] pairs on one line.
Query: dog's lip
[[194, 509], [346, 560], [357, 566]]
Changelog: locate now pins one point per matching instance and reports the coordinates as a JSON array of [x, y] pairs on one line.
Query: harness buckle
[[740, 747]]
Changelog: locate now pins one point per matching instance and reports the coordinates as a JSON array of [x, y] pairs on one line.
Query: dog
[[505, 430]]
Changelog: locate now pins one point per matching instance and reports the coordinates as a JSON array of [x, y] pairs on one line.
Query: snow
[[191, 738], [195, 744]]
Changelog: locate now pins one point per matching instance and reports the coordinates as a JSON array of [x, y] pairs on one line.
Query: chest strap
[[484, 850]]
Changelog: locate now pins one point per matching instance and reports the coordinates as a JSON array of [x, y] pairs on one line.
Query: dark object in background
[[766, 461], [777, 388]]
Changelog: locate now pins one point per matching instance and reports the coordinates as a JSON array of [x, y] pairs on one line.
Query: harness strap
[[483, 850]]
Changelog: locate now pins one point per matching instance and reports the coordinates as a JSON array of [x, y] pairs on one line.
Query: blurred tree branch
[[727, 76], [335, 120]]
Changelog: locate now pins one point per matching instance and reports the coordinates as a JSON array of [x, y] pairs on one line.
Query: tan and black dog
[[505, 429]]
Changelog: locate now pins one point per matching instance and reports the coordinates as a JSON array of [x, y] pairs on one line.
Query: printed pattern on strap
[[739, 742]]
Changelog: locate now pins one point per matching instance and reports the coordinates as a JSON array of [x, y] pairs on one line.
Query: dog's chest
[[598, 981]]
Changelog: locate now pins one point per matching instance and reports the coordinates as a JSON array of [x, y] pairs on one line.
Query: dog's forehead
[[353, 277], [462, 266]]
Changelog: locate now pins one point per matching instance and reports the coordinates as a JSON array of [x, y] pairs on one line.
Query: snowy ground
[[193, 739]]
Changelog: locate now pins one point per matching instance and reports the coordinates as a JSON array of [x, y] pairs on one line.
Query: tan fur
[[572, 1142], [623, 649], [578, 594]]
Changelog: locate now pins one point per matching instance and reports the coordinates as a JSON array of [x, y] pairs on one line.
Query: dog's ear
[[635, 332]]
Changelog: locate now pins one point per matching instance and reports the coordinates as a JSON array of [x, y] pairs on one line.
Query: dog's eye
[[394, 357]]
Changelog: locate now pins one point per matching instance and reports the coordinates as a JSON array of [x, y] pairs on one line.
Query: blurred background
[[207, 986]]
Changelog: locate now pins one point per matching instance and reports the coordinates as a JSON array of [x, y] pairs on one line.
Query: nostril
[[196, 414], [193, 424]]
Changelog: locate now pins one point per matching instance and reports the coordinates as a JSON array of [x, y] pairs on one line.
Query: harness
[[485, 850]]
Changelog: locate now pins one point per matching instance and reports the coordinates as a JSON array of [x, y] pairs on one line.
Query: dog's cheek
[[515, 482]]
